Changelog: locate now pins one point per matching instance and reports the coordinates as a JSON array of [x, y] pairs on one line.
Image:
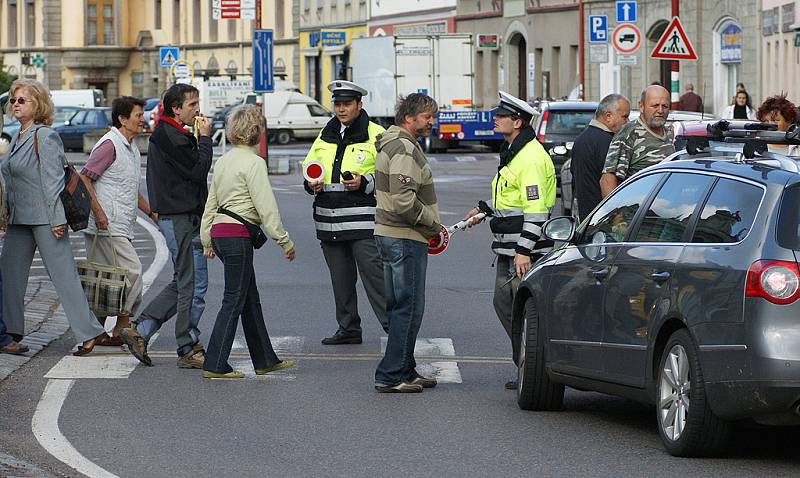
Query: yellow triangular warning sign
[[674, 44]]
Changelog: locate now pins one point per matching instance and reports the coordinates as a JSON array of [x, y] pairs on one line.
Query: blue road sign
[[167, 55], [334, 38], [263, 79], [626, 12], [598, 29]]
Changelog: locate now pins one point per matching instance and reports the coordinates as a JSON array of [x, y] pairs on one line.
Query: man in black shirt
[[590, 150]]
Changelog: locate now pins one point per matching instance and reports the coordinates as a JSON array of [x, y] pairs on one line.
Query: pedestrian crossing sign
[[167, 55], [674, 44]]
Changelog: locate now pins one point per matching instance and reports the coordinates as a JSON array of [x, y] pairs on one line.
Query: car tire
[[535, 390], [686, 423], [283, 137]]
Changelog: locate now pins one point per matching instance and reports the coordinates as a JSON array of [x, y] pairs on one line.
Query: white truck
[[87, 98], [438, 65]]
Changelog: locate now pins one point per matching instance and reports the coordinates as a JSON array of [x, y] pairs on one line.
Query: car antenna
[[703, 111]]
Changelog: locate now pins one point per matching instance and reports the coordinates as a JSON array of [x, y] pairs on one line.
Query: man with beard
[[640, 143], [523, 191], [344, 209]]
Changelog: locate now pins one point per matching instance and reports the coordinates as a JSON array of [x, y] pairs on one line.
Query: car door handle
[[659, 276], [600, 274]]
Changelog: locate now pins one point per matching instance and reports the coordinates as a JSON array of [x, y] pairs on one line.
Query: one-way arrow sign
[[263, 80]]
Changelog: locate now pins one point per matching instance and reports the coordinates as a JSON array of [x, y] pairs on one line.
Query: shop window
[[100, 22], [11, 15]]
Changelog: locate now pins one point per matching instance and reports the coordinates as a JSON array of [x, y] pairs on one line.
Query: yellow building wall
[[72, 23], [326, 67]]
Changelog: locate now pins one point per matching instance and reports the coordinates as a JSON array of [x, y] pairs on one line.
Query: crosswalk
[[436, 358]]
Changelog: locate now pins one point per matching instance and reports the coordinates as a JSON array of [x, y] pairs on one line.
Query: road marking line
[[443, 372], [107, 366], [44, 423], [436, 348], [246, 366], [463, 159], [430, 347], [45, 428]]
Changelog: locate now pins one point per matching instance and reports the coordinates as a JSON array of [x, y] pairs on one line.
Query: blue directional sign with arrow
[[263, 79], [626, 11]]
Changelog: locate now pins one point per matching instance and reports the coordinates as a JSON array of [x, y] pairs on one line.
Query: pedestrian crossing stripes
[[436, 359]]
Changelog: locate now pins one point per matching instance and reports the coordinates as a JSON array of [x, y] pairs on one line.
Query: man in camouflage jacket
[[640, 143]]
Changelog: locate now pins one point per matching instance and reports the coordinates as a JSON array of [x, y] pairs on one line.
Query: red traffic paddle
[[438, 244], [314, 171]]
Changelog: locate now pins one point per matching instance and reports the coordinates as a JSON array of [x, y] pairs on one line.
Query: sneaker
[[231, 374], [424, 382], [512, 385], [402, 387], [193, 359], [341, 339], [137, 346], [282, 365]]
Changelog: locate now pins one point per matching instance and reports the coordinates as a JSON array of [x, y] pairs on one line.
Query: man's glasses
[[19, 100]]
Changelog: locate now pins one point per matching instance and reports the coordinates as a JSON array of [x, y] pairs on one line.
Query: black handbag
[[257, 236], [75, 197]]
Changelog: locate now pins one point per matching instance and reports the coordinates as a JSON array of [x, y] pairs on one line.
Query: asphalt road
[[323, 418]]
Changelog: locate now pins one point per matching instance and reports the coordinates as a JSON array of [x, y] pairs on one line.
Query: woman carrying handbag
[[239, 199], [33, 171], [112, 176]]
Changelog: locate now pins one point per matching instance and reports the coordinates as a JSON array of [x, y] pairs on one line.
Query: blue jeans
[[240, 299], [149, 327], [4, 339], [404, 267]]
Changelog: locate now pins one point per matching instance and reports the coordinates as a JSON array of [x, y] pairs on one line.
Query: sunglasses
[[19, 100]]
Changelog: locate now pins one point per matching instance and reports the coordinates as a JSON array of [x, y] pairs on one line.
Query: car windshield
[[63, 114], [568, 122]]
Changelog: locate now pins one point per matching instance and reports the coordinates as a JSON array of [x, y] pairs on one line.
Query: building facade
[[528, 48], [113, 44], [412, 17], [724, 33], [780, 35], [327, 28]]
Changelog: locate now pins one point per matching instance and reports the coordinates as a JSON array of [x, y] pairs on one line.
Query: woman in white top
[[740, 109]]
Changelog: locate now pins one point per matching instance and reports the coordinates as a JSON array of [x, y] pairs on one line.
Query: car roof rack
[[748, 143]]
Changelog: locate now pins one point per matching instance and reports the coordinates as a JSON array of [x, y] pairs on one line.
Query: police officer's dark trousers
[[346, 261], [505, 288]]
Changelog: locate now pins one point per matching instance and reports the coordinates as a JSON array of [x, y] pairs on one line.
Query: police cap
[[345, 90], [511, 105]]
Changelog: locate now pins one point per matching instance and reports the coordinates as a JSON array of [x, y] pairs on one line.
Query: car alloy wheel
[[675, 393]]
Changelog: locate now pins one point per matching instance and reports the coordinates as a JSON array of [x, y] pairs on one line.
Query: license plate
[[484, 132]]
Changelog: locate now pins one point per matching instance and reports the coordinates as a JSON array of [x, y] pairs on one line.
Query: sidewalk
[[44, 322]]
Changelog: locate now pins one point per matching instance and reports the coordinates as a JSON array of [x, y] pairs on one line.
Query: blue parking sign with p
[[598, 29]]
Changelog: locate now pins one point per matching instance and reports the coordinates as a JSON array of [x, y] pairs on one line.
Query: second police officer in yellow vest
[[344, 209], [523, 191]]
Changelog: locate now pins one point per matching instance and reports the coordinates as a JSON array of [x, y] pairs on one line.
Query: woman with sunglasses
[[35, 216]]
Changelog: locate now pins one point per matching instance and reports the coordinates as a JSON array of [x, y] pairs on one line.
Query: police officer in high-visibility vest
[[344, 209], [523, 191]]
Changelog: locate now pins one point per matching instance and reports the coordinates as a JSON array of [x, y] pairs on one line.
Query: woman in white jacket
[[740, 109]]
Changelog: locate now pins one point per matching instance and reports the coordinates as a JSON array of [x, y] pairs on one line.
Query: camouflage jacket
[[634, 148]]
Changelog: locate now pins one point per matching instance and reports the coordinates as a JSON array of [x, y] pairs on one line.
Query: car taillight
[[543, 126], [776, 281]]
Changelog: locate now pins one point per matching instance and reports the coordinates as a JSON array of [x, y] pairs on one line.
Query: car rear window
[[789, 219], [729, 212], [568, 122]]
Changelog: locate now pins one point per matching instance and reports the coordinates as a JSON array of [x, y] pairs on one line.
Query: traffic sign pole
[[675, 74]]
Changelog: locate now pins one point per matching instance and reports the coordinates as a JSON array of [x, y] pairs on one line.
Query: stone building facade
[[724, 33], [780, 33], [113, 44]]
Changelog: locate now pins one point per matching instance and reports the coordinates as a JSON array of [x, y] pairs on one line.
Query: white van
[[89, 98], [291, 115]]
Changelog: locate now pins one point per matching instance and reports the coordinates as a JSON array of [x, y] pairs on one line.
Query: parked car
[[680, 290], [10, 128], [150, 106], [291, 115], [84, 121], [63, 113], [559, 123]]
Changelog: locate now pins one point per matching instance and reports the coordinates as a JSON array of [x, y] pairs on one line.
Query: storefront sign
[[433, 28], [334, 38], [489, 41], [731, 44]]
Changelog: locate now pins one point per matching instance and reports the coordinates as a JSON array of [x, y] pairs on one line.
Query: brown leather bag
[[75, 197]]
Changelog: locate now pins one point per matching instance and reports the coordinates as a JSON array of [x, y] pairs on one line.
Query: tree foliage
[[5, 78]]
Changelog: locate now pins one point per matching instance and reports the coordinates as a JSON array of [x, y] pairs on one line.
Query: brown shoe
[[14, 348], [193, 359], [136, 345]]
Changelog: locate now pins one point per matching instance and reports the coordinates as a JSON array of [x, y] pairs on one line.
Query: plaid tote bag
[[106, 285]]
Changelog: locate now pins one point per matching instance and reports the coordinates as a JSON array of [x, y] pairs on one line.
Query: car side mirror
[[560, 229], [66, 123]]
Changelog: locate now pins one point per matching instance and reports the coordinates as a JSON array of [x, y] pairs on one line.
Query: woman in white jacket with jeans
[[241, 186]]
